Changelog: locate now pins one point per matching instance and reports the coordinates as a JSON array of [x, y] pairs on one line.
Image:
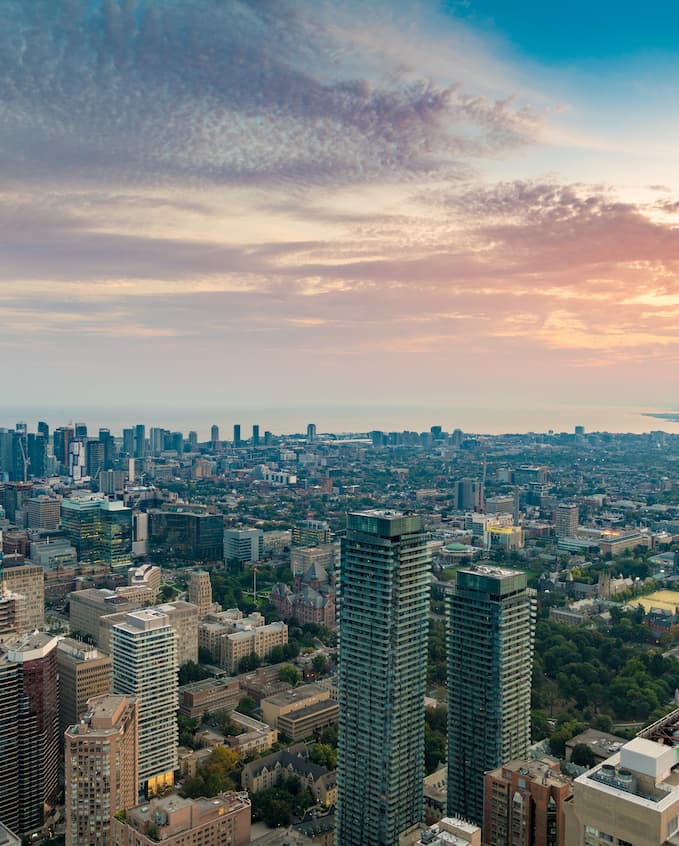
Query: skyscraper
[[490, 652], [311, 433], [200, 591], [236, 434], [255, 435], [29, 731], [384, 593], [567, 517], [100, 771], [214, 435], [139, 440], [145, 666]]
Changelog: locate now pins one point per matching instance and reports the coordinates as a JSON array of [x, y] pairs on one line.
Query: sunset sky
[[207, 204]]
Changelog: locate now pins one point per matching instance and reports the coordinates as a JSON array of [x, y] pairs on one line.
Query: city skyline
[[300, 198]]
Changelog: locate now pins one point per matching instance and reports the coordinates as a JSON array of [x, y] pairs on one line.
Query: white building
[[145, 666]]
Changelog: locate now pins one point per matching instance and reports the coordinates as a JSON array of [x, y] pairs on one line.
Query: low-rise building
[[448, 831], [600, 743], [305, 721], [280, 704], [271, 770], [175, 821], [525, 796], [145, 576], [208, 695]]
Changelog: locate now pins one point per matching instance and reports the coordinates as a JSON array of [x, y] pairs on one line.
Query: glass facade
[[490, 650], [384, 600]]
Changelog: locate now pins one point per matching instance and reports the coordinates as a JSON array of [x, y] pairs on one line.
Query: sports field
[[667, 599]]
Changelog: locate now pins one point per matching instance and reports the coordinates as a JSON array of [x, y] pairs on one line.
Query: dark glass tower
[[384, 600], [490, 652]]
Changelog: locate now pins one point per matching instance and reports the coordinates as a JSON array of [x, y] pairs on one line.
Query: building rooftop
[[296, 694]]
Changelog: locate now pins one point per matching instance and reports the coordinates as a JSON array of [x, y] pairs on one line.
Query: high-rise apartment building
[[200, 591], [567, 517], [84, 672], [29, 731], [214, 436], [384, 595], [145, 666], [490, 649], [100, 771]]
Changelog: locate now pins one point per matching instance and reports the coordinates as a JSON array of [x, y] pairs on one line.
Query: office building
[[384, 599], [200, 592], [139, 442], [43, 512], [81, 431], [214, 436], [311, 533], [60, 441], [27, 580], [567, 518], [223, 820], [243, 546], [523, 804], [236, 435], [311, 433], [468, 494], [100, 529], [209, 695], [145, 665], [255, 435], [37, 455], [109, 445], [88, 607], [186, 532], [632, 799], [84, 672], [76, 460], [29, 731], [94, 458], [145, 576], [100, 771], [490, 649]]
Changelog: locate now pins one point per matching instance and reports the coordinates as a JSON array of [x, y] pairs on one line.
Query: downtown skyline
[[208, 203]]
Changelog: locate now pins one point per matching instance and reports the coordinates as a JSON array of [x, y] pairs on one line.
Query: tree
[[319, 663], [247, 705], [557, 740], [325, 755], [287, 673], [583, 755]]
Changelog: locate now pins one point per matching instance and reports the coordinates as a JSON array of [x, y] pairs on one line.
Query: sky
[[215, 204]]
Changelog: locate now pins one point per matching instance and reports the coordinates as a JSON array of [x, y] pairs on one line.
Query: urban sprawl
[[365, 639]]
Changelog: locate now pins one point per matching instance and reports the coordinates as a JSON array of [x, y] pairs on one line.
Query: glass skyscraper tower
[[490, 652], [384, 599]]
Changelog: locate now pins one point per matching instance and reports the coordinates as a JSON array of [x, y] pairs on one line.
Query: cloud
[[226, 90]]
